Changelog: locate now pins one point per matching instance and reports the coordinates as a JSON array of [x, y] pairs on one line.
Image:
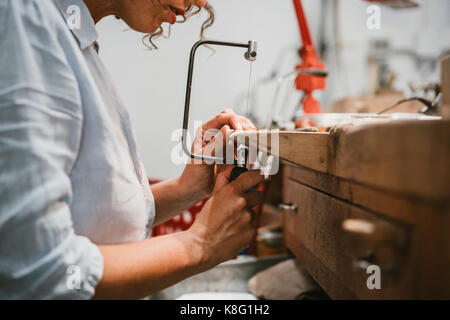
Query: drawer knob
[[378, 232], [288, 207], [363, 264]]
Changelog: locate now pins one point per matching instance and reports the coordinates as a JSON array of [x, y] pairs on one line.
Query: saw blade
[[247, 109]]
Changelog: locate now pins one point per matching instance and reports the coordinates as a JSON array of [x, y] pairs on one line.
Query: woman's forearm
[[136, 270], [220, 232], [172, 198]]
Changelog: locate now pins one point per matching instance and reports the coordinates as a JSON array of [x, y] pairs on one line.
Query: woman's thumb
[[222, 178]]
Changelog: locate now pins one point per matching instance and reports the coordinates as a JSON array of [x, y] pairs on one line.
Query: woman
[[75, 204]]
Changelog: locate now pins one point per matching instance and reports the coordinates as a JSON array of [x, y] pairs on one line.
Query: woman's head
[[147, 16]]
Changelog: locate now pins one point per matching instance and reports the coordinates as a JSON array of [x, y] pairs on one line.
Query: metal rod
[[250, 54]]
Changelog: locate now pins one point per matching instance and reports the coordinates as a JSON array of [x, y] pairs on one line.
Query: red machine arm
[[304, 82]]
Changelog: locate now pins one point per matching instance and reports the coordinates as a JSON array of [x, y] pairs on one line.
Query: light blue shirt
[[70, 172]]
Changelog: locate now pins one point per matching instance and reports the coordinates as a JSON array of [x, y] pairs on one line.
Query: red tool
[[310, 60]]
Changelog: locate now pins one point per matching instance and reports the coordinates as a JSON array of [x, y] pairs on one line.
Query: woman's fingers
[[247, 180], [228, 117], [246, 220], [222, 178], [253, 198], [247, 124], [220, 146], [214, 134]]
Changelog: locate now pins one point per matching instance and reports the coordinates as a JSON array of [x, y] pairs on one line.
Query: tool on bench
[[242, 152]]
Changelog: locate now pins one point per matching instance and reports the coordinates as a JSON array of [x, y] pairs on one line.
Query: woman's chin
[[151, 29], [148, 27]]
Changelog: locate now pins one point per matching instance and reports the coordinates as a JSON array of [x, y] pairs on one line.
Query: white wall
[[152, 83], [425, 30]]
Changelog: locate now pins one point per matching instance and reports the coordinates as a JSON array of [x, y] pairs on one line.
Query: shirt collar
[[79, 20]]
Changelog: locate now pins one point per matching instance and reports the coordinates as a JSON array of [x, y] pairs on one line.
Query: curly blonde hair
[[192, 10]]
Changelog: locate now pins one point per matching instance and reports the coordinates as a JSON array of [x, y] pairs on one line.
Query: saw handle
[[236, 172]]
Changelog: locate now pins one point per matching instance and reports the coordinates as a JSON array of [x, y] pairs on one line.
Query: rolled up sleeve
[[41, 120]]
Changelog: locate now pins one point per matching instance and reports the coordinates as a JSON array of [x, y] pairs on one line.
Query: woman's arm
[[172, 198], [41, 121], [221, 231], [133, 271]]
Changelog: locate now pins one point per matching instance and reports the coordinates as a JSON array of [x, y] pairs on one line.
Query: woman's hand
[[224, 227], [199, 178], [221, 230]]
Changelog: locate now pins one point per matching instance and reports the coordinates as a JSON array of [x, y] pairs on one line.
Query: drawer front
[[337, 242]]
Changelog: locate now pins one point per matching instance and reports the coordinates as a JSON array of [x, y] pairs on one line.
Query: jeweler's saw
[[241, 158]]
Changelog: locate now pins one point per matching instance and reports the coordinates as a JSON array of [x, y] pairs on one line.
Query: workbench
[[369, 193]]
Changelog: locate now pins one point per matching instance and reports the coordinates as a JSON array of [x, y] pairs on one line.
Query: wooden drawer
[[338, 259]]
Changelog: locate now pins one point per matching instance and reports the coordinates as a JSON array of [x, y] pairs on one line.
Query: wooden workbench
[[375, 193]]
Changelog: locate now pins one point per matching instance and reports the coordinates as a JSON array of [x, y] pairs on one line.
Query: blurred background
[[402, 56]]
